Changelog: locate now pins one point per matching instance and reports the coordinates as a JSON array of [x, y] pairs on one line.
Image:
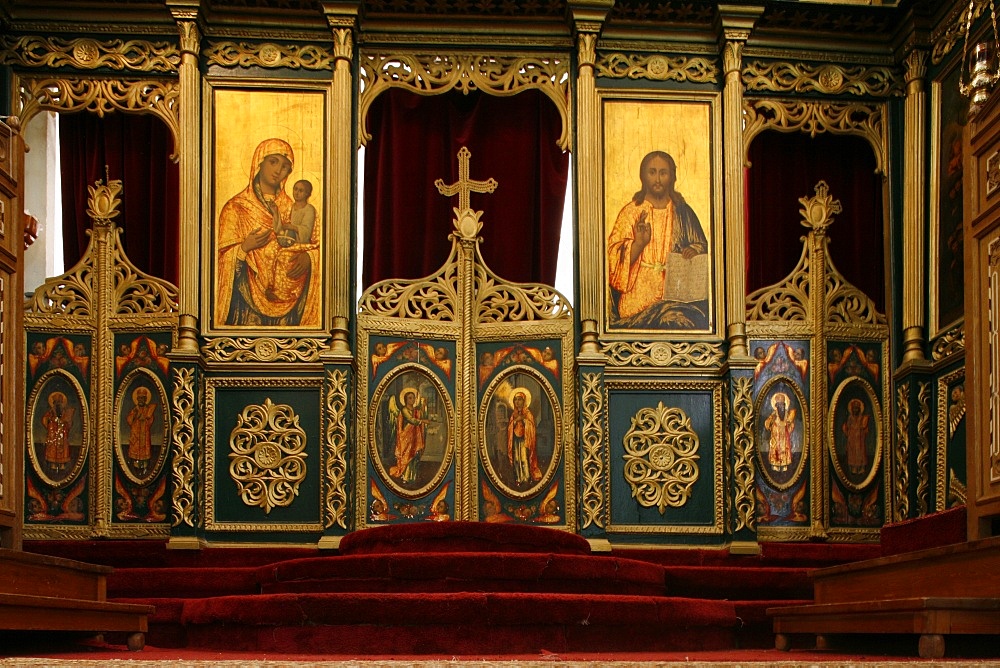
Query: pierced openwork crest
[[268, 458], [789, 300], [661, 457]]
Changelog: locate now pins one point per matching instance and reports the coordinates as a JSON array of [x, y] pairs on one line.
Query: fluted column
[[185, 13], [342, 18], [914, 220], [588, 174], [734, 207]]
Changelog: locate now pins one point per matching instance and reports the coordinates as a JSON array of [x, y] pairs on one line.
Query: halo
[[404, 392], [53, 395], [775, 396], [852, 402], [135, 394], [517, 391]]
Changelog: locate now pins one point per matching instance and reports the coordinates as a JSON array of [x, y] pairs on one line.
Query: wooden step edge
[[935, 553], [53, 602], [889, 605], [55, 562]]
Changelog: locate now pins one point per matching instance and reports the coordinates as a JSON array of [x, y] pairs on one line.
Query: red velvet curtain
[[136, 149], [786, 167], [415, 141]]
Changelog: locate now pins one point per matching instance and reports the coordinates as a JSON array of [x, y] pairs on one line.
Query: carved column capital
[[916, 67]]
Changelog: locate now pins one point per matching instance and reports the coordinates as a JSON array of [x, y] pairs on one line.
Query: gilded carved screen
[[467, 407]]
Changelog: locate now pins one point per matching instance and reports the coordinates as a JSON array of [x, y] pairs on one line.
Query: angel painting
[[411, 427], [440, 510]]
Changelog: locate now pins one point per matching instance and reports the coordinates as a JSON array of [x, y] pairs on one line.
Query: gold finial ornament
[[984, 66]]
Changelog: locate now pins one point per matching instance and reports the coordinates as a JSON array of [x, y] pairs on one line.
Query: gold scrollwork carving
[[954, 30], [923, 448], [268, 458], [432, 298], [813, 117], [183, 466], [592, 466], [743, 447], [86, 53], [902, 487], [664, 354], [101, 96], [499, 301], [787, 301], [951, 412], [263, 349], [657, 67], [335, 462], [436, 74], [661, 454], [949, 343], [268, 55], [828, 79], [845, 303]]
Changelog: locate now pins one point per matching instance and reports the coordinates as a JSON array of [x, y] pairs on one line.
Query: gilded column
[[914, 227], [588, 166], [185, 13], [342, 18], [734, 207]]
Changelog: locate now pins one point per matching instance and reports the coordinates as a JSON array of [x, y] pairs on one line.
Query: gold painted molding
[[657, 67], [426, 74], [923, 449], [263, 349], [665, 354], [87, 53], [592, 438], [184, 467], [268, 55], [902, 471], [335, 449], [744, 503], [827, 79]]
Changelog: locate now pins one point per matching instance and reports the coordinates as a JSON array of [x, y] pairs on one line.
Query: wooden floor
[[43, 593], [933, 593]]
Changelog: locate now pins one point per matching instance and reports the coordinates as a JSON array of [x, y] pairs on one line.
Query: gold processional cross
[[465, 186]]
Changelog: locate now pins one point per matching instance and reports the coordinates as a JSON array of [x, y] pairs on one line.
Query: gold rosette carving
[[268, 458], [657, 67], [664, 354], [268, 55], [86, 53], [828, 79], [661, 455]]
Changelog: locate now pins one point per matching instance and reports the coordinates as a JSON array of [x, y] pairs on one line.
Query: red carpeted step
[[756, 627], [739, 583], [465, 571], [166, 628], [462, 537], [155, 554], [935, 530], [182, 582], [457, 623]]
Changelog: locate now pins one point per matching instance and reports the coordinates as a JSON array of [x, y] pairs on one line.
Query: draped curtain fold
[[786, 167], [134, 148], [415, 141]]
